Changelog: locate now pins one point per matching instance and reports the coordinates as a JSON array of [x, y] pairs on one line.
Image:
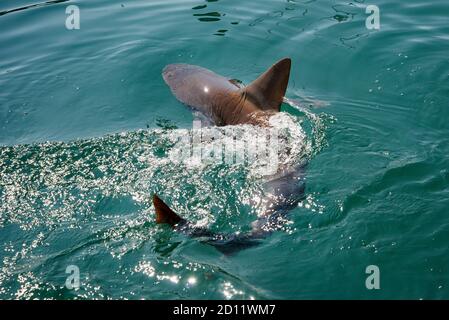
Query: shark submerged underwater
[[224, 102]]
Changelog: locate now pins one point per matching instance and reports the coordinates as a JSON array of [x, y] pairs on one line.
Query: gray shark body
[[225, 102]]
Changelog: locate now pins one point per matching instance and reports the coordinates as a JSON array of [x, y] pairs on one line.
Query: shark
[[225, 102]]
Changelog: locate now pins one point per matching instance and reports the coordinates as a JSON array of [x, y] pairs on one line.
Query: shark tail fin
[[228, 244], [164, 214], [268, 90]]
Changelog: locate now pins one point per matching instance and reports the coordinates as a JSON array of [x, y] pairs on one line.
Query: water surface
[[87, 126]]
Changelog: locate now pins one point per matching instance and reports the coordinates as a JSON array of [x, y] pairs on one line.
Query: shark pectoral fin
[[164, 214], [269, 89]]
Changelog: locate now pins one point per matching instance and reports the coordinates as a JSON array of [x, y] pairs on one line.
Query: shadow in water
[[32, 6], [208, 17], [211, 16]]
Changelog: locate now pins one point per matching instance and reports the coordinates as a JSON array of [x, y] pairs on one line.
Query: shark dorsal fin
[[164, 214], [268, 90]]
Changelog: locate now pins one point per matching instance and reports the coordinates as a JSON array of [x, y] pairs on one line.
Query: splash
[[103, 186], [317, 122]]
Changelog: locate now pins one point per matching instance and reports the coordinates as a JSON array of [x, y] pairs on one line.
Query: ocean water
[[88, 129]]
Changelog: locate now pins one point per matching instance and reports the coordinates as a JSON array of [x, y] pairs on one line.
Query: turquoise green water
[[87, 125]]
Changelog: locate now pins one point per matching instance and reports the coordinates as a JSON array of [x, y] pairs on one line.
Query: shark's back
[[221, 99], [202, 89]]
